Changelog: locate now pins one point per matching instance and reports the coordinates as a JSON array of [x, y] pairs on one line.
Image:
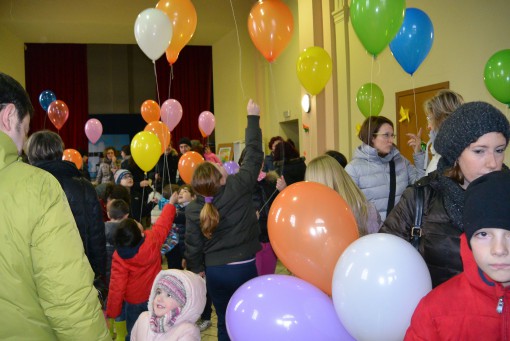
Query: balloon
[[370, 99], [377, 284], [93, 130], [153, 32], [187, 164], [145, 150], [45, 99], [161, 131], [58, 112], [497, 76], [171, 113], [270, 25], [231, 167], [413, 41], [309, 226], [376, 22], [206, 122], [73, 156], [314, 68], [150, 111], [183, 17], [280, 307]]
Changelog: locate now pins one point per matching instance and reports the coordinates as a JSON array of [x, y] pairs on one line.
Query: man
[[46, 280]]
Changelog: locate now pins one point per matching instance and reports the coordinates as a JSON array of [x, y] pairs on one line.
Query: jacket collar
[[8, 151]]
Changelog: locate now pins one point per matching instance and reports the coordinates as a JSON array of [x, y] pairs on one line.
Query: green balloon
[[370, 99], [497, 76], [377, 22]]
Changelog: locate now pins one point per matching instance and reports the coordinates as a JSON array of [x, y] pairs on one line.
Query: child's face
[[184, 196], [127, 180], [163, 303], [491, 249]]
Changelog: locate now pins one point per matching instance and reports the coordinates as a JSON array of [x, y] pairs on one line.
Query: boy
[[474, 305], [117, 210]]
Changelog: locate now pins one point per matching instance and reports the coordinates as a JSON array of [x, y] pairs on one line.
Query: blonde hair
[[206, 181], [439, 107], [326, 170]]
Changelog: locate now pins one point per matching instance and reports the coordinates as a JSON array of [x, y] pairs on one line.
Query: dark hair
[[127, 234], [370, 127], [339, 157], [273, 140], [114, 191], [117, 209], [44, 145], [206, 181], [285, 151], [11, 91], [169, 189], [126, 149]]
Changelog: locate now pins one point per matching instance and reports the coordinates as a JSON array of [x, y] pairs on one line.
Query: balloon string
[[414, 100], [267, 201], [170, 77], [273, 87], [157, 86], [240, 52], [143, 198]]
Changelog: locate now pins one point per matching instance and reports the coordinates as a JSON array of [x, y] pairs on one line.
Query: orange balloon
[[183, 16], [161, 131], [58, 112], [150, 111], [204, 135], [309, 226], [270, 25], [74, 156], [187, 164]]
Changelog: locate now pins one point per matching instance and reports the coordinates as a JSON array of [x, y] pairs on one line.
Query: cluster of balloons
[[314, 69], [57, 110], [497, 76]]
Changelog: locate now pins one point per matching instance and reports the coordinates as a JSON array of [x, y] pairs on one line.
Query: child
[[176, 301], [117, 209], [135, 264], [474, 305]]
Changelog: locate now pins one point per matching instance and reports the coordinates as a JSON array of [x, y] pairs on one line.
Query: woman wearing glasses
[[377, 167]]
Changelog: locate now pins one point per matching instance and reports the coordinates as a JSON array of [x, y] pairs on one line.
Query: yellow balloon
[[314, 68], [145, 150]]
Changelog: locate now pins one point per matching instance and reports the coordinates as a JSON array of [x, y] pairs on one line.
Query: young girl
[[176, 301]]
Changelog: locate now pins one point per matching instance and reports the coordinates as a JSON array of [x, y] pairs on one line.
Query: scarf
[[453, 195], [164, 323]]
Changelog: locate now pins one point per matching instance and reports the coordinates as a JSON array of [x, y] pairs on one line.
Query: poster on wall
[[96, 150]]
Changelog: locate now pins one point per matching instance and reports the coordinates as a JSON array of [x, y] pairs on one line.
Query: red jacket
[[464, 307], [131, 279]]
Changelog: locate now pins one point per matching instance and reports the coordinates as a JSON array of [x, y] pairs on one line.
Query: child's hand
[[144, 183], [173, 198], [252, 108], [183, 263]]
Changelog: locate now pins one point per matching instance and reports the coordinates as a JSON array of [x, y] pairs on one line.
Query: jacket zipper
[[499, 307]]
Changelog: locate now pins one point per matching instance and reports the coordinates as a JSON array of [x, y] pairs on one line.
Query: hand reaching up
[[253, 108]]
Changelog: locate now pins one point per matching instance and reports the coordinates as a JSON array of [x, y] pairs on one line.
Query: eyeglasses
[[386, 136]]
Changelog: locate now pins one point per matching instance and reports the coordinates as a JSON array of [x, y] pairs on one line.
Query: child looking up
[[117, 209]]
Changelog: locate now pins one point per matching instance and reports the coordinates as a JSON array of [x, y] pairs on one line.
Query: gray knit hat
[[466, 125]]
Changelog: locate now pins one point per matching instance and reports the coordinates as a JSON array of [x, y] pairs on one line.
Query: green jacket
[[46, 290]]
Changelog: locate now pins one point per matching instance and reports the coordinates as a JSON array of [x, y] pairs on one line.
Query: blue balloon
[[45, 99], [413, 41]]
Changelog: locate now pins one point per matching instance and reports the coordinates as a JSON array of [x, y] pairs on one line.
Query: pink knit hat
[[174, 287]]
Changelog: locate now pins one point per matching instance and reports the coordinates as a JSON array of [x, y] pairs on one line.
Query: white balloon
[[377, 283], [153, 32]]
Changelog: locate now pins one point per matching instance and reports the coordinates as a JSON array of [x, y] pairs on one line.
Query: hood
[[59, 168], [366, 152], [8, 151]]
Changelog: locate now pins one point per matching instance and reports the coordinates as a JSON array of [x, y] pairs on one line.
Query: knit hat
[[486, 203], [174, 287], [468, 123], [185, 140], [117, 177]]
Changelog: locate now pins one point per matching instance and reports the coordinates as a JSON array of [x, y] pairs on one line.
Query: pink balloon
[[93, 130], [206, 122], [171, 113]]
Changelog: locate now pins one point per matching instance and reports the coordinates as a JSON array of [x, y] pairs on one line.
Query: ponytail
[[209, 219]]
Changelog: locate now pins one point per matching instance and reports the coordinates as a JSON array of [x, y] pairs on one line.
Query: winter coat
[[236, 237], [46, 280], [431, 165], [105, 171], [293, 170], [470, 306], [371, 173], [184, 327], [131, 278]]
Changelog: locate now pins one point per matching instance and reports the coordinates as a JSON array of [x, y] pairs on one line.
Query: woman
[[222, 232], [108, 167], [472, 142], [288, 164], [326, 170], [378, 168]]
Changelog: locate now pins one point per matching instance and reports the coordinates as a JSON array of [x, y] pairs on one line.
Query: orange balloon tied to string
[[73, 156], [58, 112], [270, 25], [183, 16], [150, 111], [187, 165], [162, 132]]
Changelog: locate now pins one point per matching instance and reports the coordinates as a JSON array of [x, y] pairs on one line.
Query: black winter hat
[[487, 203], [185, 140], [466, 125]]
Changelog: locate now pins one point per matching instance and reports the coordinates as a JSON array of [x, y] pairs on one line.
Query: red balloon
[[74, 156], [58, 112], [187, 164]]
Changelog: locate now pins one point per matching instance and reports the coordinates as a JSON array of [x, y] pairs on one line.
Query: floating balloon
[[153, 32], [45, 99], [206, 122], [58, 112], [183, 17], [93, 130], [231, 167], [73, 156], [309, 226], [279, 307], [187, 164], [376, 22], [314, 68], [161, 131], [377, 284], [370, 99], [497, 76], [171, 113], [145, 150], [270, 25], [150, 111], [413, 41]]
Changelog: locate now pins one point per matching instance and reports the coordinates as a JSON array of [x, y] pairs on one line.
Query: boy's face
[[127, 180], [491, 249], [184, 196], [163, 303]]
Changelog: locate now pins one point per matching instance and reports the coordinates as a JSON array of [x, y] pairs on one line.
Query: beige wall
[[12, 55]]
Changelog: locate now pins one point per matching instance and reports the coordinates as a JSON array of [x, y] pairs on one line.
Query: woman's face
[[110, 154], [483, 156], [383, 141]]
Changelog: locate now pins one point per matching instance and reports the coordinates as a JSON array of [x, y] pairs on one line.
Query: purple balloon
[[280, 307], [231, 167]]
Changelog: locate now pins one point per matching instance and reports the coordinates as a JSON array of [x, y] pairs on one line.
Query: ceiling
[[109, 21]]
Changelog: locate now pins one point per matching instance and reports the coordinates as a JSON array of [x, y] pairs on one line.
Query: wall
[[12, 55]]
